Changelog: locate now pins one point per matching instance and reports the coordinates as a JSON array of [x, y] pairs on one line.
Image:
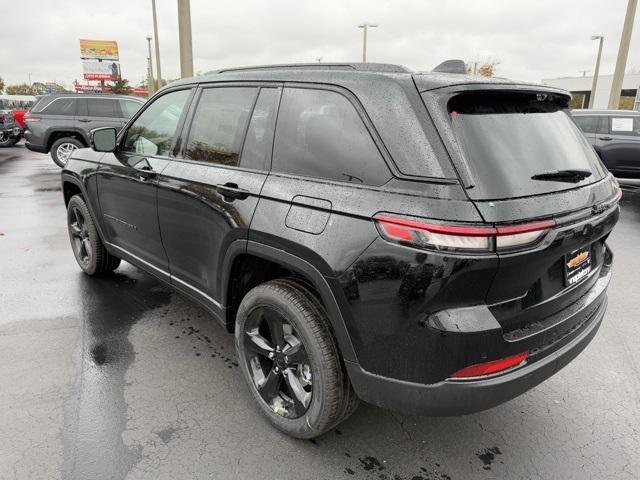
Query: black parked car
[[10, 131], [615, 135], [431, 243], [61, 123]]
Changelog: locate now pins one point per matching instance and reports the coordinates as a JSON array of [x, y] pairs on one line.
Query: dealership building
[[580, 87]]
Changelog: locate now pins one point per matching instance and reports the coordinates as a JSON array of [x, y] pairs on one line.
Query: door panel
[[620, 145], [207, 200], [199, 220], [127, 180], [127, 191]]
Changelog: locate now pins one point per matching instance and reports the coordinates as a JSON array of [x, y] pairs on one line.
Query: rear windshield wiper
[[568, 175]]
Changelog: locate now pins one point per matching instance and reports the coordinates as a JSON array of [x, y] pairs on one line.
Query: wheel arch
[[72, 185], [287, 264], [72, 132]]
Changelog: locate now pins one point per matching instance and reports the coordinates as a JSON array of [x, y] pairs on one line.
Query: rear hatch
[[528, 169]]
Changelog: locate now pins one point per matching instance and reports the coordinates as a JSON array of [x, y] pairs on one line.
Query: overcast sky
[[531, 39]]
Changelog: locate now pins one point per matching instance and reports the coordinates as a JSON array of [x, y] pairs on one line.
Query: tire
[[309, 362], [90, 253], [6, 141], [62, 148]]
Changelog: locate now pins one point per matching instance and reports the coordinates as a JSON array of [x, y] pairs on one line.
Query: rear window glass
[[320, 134], [129, 108], [507, 138], [102, 107], [39, 103], [219, 124], [587, 123], [61, 106]]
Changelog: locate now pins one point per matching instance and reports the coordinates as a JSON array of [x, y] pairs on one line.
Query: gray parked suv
[[61, 123], [615, 135]]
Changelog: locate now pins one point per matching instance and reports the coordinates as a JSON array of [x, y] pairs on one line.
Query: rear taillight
[[1, 118], [463, 238], [494, 366]]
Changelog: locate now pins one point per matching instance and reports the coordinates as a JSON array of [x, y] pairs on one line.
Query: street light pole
[[365, 27], [623, 52], [157, 45], [149, 69], [597, 69], [184, 31]]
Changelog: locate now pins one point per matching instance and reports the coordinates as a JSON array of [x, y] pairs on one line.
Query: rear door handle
[[231, 191], [606, 138], [84, 120]]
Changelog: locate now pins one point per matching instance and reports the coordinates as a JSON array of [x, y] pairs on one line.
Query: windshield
[[508, 138]]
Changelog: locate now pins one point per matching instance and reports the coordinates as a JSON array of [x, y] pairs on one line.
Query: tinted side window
[[259, 139], [320, 134], [61, 106], [129, 107], [219, 124], [587, 123], [153, 131], [102, 107], [625, 126]]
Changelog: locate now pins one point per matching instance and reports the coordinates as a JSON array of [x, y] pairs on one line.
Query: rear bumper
[[464, 396], [34, 147]]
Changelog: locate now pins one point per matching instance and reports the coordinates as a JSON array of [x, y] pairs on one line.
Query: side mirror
[[103, 139]]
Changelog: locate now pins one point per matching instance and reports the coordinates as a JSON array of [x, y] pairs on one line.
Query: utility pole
[[184, 31], [150, 85], [365, 26], [623, 52], [157, 45], [597, 69]]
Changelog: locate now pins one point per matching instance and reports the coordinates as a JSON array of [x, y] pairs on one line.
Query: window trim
[[267, 165], [122, 135], [362, 114]]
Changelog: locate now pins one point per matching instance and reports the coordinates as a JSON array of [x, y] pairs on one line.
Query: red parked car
[[18, 104]]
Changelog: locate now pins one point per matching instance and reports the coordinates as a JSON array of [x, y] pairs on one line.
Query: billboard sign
[[88, 88], [99, 49], [97, 70]]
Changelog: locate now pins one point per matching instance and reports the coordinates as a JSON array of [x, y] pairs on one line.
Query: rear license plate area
[[577, 266]]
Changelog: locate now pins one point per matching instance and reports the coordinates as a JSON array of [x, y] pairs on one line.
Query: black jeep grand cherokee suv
[[427, 242]]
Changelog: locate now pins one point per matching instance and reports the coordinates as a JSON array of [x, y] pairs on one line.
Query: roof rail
[[451, 66], [363, 67]]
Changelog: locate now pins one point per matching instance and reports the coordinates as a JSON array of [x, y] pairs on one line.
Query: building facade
[[580, 87]]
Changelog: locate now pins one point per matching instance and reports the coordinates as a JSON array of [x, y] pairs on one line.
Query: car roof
[[594, 111], [91, 95], [347, 73]]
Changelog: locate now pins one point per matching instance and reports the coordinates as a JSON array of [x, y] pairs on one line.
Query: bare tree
[[484, 68]]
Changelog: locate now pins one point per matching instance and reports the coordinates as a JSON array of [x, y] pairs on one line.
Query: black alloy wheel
[[278, 363], [91, 254], [290, 359], [79, 234]]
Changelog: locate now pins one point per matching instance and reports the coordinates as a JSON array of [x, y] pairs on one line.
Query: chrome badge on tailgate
[[577, 266]]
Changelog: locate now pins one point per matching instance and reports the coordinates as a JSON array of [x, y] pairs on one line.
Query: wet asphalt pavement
[[119, 377]]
